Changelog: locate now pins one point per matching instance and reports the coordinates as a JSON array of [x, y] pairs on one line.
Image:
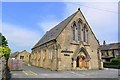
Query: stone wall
[[64, 48], [45, 56], [66, 43]]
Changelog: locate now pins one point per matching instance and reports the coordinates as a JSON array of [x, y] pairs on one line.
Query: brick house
[[70, 45]]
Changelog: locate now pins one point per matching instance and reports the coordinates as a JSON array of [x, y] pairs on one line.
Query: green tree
[[3, 41], [5, 51]]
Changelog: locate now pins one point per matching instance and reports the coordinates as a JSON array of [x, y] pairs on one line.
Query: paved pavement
[[35, 72]]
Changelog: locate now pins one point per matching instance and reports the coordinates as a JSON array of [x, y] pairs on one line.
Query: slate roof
[[110, 46], [54, 32], [13, 55]]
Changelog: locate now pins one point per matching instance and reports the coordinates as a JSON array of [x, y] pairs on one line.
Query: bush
[[8, 74], [115, 63]]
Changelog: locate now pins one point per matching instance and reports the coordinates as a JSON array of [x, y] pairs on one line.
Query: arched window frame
[[79, 25], [50, 53], [73, 27], [85, 33]]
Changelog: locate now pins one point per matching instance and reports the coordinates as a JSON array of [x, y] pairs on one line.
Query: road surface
[[35, 72]]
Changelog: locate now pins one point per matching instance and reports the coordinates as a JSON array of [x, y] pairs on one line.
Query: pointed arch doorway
[[80, 62], [81, 59]]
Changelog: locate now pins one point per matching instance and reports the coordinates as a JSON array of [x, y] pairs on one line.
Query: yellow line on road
[[14, 74], [33, 72], [25, 72], [29, 72]]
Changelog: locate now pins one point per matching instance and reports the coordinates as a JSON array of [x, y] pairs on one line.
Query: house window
[[102, 54], [117, 53], [85, 34], [107, 53], [113, 53], [22, 57], [79, 24], [73, 31]]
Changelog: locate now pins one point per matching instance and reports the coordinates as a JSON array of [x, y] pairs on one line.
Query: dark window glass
[[107, 53], [79, 24], [73, 31], [22, 57], [102, 54], [85, 34]]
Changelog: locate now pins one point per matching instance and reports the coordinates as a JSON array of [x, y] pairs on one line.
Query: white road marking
[[80, 74], [75, 73], [44, 74], [111, 69]]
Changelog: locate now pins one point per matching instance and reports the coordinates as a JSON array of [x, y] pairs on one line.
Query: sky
[[24, 23]]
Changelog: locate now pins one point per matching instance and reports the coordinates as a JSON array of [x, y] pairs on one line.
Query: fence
[[15, 64]]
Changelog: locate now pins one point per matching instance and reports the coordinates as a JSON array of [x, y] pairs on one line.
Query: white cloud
[[48, 22], [19, 37], [103, 23], [102, 17], [47, 25]]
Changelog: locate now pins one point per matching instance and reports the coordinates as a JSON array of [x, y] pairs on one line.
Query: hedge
[[115, 63]]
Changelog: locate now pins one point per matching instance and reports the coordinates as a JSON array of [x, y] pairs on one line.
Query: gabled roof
[[13, 55], [24, 51], [54, 32], [110, 46]]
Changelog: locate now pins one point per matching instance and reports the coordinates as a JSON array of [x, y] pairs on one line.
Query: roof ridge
[[62, 21], [54, 32], [111, 43]]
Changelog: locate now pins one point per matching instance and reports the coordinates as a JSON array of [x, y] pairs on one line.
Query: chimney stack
[[104, 43]]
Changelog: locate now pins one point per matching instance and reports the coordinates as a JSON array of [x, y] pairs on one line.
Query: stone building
[[24, 55], [109, 51], [70, 45]]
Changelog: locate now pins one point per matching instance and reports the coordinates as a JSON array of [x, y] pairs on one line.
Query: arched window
[[50, 53], [79, 27], [85, 34], [73, 30]]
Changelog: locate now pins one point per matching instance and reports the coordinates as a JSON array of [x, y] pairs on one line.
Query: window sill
[[78, 42], [75, 43], [86, 44]]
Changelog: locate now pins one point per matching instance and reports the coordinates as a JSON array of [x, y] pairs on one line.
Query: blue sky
[[24, 23]]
